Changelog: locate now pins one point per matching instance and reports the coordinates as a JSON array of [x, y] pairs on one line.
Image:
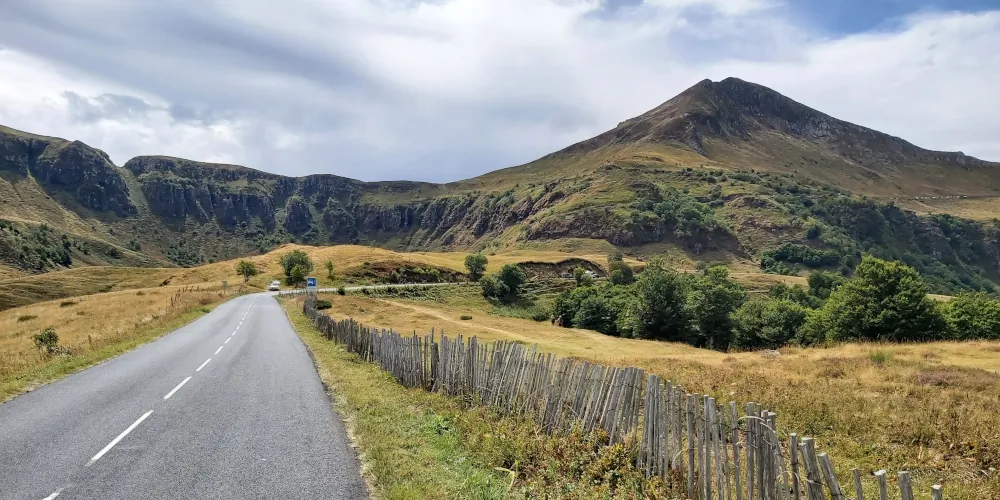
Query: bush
[[67, 303], [541, 315], [341, 291], [796, 253], [46, 340], [465, 317], [880, 357], [767, 323], [505, 285], [822, 283], [973, 316], [26, 317], [323, 304]]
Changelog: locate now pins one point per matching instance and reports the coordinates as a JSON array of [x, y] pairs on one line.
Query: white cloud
[[389, 89]]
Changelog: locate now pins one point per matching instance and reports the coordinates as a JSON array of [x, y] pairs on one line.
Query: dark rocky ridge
[[86, 173]]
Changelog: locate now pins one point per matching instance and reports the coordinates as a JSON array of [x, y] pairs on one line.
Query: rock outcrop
[[86, 173]]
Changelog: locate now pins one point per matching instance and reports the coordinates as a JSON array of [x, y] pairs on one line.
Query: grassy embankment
[[928, 408], [93, 328]]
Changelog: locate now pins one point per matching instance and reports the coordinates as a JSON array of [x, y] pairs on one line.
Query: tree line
[[883, 300]]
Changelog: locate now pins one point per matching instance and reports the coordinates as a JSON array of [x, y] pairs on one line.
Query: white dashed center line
[[227, 340], [175, 389], [54, 494], [203, 364], [119, 438], [219, 349]]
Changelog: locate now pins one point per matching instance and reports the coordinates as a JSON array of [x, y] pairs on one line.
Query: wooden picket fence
[[718, 451]]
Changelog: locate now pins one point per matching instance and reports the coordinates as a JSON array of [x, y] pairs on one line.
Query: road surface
[[227, 407]]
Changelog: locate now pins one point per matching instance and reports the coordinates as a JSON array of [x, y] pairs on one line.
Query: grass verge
[[408, 442], [416, 444]]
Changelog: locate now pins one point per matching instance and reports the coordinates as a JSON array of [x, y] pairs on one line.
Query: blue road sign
[[310, 282]]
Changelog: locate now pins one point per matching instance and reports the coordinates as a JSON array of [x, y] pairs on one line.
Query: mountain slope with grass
[[726, 171]]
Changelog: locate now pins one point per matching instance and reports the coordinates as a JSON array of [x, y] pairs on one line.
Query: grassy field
[[93, 328], [927, 408]]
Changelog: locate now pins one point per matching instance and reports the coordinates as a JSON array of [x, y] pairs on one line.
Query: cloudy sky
[[441, 90]]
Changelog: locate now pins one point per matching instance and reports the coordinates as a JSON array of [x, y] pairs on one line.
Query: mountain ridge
[[725, 170]]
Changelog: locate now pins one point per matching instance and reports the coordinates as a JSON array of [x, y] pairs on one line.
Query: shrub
[[67, 303], [26, 317], [46, 340], [973, 316], [767, 323], [822, 283], [465, 317], [879, 357], [541, 315], [341, 291], [505, 285], [323, 304]]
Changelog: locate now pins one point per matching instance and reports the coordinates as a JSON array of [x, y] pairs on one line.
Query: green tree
[[973, 316], [657, 309], [513, 278], [505, 285], [476, 265], [823, 283], [329, 269], [619, 272], [885, 301], [794, 293], [767, 323], [247, 270], [296, 276], [296, 258], [714, 296], [582, 277]]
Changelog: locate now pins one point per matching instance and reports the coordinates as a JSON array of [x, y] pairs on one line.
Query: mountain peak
[[735, 114]]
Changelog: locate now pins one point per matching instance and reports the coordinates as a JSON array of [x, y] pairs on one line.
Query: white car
[[274, 286]]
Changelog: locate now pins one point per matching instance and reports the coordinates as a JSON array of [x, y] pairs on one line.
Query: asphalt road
[[227, 407]]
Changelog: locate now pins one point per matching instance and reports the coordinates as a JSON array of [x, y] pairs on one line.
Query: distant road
[[227, 407]]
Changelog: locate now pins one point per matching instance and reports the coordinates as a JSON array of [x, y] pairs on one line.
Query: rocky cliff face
[[84, 172]]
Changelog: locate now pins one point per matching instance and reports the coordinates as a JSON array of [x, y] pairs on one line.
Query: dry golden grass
[[22, 290], [986, 208], [94, 328], [929, 408]]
